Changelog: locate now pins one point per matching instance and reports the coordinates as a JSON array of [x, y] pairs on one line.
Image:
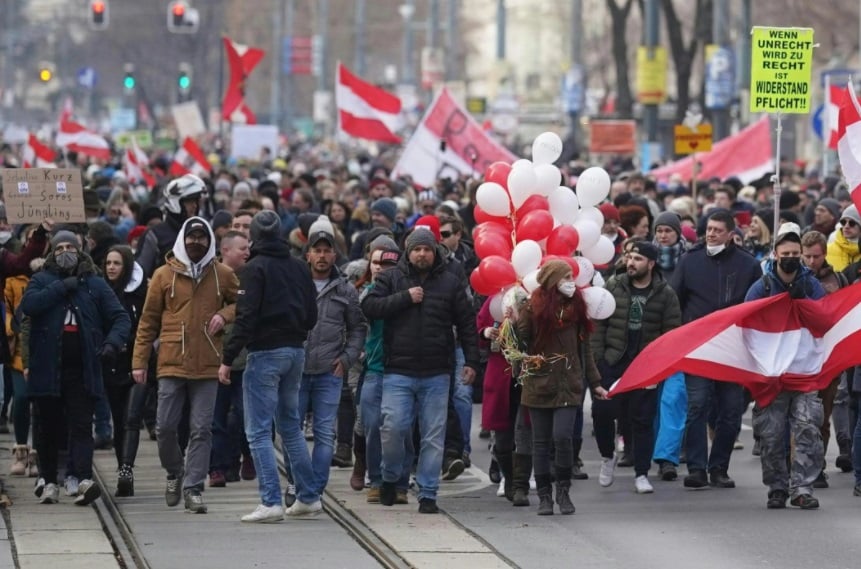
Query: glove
[[71, 283], [109, 356]]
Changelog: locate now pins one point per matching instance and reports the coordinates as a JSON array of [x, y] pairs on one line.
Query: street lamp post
[[407, 11]]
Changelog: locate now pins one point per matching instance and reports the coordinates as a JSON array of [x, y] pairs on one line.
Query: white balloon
[[530, 281], [587, 271], [600, 303], [522, 163], [496, 310], [548, 177], [602, 252], [526, 257], [563, 205], [593, 214], [546, 148], [598, 280], [593, 185], [493, 199], [521, 184], [589, 233]]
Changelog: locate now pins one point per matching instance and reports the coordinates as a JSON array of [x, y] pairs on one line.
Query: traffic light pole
[[720, 32], [275, 85], [652, 33], [289, 17]]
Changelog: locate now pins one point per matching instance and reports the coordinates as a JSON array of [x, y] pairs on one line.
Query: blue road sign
[[87, 77], [816, 120]]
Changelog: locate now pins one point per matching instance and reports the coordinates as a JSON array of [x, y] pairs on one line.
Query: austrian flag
[[364, 110], [242, 60], [189, 159], [849, 143], [766, 345]]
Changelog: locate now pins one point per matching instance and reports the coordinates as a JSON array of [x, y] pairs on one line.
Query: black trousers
[[127, 402]]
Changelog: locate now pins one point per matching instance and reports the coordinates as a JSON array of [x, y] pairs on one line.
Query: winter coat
[[156, 243], [101, 320], [15, 287], [340, 330], [12, 264], [558, 384], [496, 401], [804, 285], [182, 298], [277, 304], [375, 359], [132, 297], [661, 314], [419, 341], [841, 253], [705, 283]]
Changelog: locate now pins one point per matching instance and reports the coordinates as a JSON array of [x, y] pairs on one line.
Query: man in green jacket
[[646, 307]]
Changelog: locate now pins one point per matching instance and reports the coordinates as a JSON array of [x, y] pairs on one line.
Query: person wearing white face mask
[[710, 277]]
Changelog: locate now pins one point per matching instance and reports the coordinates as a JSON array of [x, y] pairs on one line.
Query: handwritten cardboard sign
[[32, 194]]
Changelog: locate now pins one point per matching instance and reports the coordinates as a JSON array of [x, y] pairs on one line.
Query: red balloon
[[479, 285], [497, 272], [535, 225], [482, 216], [489, 243], [575, 268], [532, 203], [563, 241], [498, 172]]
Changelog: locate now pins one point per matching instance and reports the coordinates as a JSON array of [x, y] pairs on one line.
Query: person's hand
[[109, 356], [126, 211], [71, 283], [216, 324], [338, 369], [468, 375], [601, 393], [139, 375], [48, 224], [491, 333], [224, 374], [26, 373], [417, 294]]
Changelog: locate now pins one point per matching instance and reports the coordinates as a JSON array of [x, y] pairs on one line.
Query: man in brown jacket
[[189, 301]]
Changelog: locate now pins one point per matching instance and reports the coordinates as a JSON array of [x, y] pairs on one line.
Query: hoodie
[[181, 262]]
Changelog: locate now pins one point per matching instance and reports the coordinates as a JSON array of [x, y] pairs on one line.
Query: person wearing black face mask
[[802, 410]]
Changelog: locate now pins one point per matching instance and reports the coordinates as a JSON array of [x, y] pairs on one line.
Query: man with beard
[[825, 217], [189, 301]]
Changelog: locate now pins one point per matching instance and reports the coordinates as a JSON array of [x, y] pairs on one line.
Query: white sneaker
[[643, 486], [608, 471], [620, 444], [265, 515], [72, 485], [532, 484], [50, 494], [302, 510], [87, 492], [500, 492]]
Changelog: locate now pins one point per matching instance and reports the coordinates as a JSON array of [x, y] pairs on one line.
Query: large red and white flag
[[746, 155], [136, 162], [75, 137], [364, 110], [833, 100], [189, 159], [849, 142], [38, 155], [242, 60], [447, 143], [767, 345]]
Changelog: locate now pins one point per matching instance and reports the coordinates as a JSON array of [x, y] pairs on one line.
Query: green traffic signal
[[129, 82], [184, 82]]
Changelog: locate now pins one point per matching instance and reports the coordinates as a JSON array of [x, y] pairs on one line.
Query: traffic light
[[181, 18], [129, 81], [98, 14], [45, 74], [183, 81]]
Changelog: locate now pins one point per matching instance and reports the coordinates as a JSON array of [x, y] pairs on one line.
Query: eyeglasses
[[849, 223], [446, 234]]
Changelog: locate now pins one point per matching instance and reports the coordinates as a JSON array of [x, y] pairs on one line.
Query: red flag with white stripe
[[767, 345], [834, 98], [849, 142], [66, 110], [77, 138], [136, 161], [189, 159], [38, 155], [242, 60], [364, 110]]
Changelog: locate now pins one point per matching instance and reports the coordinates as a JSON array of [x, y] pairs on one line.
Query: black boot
[[576, 472], [545, 495], [125, 482], [506, 467], [563, 486], [521, 470], [357, 479], [844, 458]]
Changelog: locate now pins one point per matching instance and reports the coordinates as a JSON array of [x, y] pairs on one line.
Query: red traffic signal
[[98, 14], [181, 19]]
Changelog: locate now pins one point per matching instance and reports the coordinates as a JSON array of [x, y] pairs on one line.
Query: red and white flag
[[746, 155], [189, 159], [833, 100], [136, 162], [73, 136], [364, 110], [242, 60], [849, 142], [767, 345], [447, 143], [38, 155], [66, 110]]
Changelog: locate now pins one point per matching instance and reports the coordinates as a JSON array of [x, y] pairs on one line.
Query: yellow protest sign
[[689, 140], [780, 70], [651, 75]]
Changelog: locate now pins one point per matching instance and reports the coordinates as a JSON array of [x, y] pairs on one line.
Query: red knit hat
[[610, 212], [136, 232], [429, 222]]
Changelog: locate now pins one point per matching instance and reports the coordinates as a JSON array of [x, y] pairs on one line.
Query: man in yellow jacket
[[843, 250], [189, 301]]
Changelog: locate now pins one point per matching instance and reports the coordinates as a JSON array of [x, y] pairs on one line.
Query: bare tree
[[684, 54], [619, 16]]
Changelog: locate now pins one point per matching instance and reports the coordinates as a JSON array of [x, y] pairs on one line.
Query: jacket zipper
[[183, 338]]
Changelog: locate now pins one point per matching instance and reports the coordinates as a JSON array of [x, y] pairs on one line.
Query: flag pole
[[775, 180], [826, 126]]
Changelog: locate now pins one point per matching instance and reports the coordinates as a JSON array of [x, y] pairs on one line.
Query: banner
[[448, 143], [613, 137], [780, 70], [651, 75]]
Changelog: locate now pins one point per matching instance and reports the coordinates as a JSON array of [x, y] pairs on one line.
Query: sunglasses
[[446, 234], [849, 222]]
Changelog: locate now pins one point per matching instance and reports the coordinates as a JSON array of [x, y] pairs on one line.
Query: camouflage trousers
[[803, 412]]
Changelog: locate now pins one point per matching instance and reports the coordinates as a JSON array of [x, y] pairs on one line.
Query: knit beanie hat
[[64, 236], [265, 225], [851, 212], [552, 272], [221, 218], [832, 205], [671, 219], [421, 236], [610, 212], [767, 217], [383, 242], [429, 222], [387, 207]]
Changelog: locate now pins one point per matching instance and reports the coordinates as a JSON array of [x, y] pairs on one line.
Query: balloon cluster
[[526, 217]]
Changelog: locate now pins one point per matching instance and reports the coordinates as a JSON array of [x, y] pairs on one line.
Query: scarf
[[668, 257]]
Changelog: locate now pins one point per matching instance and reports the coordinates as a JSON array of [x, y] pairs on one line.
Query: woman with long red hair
[[555, 329]]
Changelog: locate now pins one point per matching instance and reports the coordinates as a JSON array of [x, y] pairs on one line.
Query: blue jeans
[[370, 408], [270, 389], [730, 402], [227, 424], [102, 420], [321, 394], [855, 402], [462, 399], [403, 398]]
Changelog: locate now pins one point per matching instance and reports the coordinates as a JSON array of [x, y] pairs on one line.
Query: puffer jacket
[[15, 287], [661, 314], [842, 253], [340, 330], [177, 310]]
